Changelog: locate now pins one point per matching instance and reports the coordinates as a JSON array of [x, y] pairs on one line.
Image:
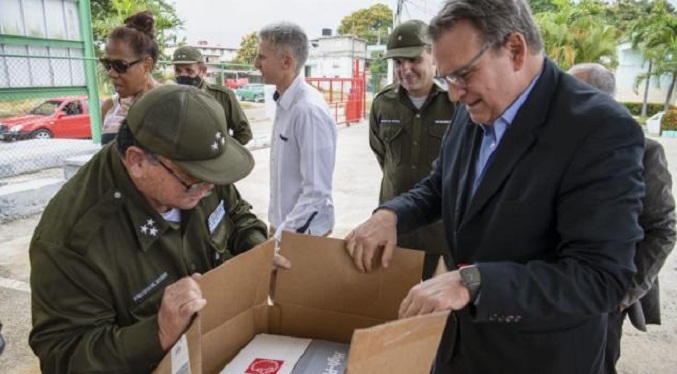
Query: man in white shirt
[[303, 145]]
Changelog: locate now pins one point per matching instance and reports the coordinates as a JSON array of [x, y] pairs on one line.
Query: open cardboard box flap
[[322, 296], [236, 286], [327, 278]]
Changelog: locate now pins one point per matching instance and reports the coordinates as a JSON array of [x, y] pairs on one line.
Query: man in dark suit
[[642, 301], [538, 184]]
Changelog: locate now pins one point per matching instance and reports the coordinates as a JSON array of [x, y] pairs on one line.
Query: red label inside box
[[264, 366]]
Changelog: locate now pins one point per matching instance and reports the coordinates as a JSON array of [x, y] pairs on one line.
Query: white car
[[653, 124]]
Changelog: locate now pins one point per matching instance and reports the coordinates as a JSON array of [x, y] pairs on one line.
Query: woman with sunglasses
[[131, 55]]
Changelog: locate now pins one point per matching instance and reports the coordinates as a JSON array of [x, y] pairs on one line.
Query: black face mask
[[189, 81]]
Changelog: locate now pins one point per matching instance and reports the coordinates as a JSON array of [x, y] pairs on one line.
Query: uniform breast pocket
[[393, 138], [219, 240], [435, 134]]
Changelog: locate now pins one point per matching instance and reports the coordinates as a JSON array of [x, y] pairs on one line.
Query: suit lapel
[[471, 144], [516, 141]]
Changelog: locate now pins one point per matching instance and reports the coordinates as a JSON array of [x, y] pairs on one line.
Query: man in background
[[190, 69], [303, 144], [642, 301], [406, 124]]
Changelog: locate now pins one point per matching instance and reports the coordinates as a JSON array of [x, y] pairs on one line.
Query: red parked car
[[54, 118]]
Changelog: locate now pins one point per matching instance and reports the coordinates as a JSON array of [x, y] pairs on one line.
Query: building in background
[[334, 56], [631, 64], [215, 56]]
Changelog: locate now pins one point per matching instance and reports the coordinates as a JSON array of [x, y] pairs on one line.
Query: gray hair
[[289, 37], [595, 75], [496, 20]]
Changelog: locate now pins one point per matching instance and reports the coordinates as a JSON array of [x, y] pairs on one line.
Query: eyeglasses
[[190, 187], [459, 77], [120, 66]]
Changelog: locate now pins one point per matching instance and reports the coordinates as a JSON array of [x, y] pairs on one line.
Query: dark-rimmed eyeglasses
[[120, 66], [190, 187], [459, 77]]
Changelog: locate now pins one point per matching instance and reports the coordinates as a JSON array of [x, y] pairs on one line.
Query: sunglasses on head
[[120, 66]]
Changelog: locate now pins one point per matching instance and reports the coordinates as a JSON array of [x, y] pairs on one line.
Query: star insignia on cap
[[149, 228], [399, 37], [220, 140]]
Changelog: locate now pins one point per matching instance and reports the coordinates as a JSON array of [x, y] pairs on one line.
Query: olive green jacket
[[406, 141], [237, 120], [101, 258]]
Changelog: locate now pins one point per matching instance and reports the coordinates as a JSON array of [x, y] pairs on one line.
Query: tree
[[372, 24], [623, 13], [541, 6], [248, 49], [578, 32], [109, 14], [654, 35], [378, 67]]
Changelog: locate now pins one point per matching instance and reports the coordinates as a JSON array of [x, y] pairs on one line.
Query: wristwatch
[[471, 279]]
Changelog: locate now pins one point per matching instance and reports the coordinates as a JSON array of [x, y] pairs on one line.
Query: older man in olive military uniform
[[190, 69], [115, 256], [407, 122]]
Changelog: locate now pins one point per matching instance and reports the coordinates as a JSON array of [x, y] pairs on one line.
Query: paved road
[[356, 184]]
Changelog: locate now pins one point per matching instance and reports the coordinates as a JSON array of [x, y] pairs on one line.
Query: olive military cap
[[188, 126], [187, 55], [407, 40]]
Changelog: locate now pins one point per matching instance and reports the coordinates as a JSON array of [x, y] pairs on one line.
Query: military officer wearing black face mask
[[190, 69]]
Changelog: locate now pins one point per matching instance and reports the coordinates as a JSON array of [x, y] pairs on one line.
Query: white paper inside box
[[323, 296]]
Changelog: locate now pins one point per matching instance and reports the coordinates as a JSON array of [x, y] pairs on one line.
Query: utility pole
[[397, 19]]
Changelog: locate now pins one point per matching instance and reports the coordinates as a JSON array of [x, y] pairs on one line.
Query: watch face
[[470, 275]]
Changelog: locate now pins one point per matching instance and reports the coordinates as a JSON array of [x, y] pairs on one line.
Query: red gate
[[346, 96]]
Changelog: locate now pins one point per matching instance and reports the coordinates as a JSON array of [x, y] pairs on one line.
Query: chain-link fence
[[45, 111], [47, 115]]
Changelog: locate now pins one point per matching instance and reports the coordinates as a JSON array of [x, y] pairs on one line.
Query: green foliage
[[109, 14], [636, 108], [541, 6], [669, 120], [623, 13], [578, 32], [372, 23], [654, 35], [378, 67], [248, 49]]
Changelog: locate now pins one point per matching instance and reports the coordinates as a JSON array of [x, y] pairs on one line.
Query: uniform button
[[413, 166], [117, 195], [193, 267], [415, 142], [418, 115]]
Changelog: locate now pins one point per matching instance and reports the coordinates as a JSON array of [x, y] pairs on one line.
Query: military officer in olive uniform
[[115, 256], [190, 69], [407, 122]]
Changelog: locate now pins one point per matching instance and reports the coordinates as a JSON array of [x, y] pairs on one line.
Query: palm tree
[[654, 36], [578, 32]]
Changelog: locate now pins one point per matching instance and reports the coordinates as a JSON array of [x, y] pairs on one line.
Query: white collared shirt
[[302, 155]]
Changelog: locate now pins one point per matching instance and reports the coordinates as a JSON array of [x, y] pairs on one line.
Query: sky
[[224, 22]]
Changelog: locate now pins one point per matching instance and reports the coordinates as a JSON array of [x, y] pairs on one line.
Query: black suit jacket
[[552, 228]]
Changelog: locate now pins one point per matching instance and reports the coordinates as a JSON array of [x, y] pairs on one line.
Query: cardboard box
[[323, 296]]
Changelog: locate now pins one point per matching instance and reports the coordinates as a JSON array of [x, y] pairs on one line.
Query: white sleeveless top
[[117, 114]]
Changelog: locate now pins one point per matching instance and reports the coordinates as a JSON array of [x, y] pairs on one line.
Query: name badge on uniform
[[216, 217]]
